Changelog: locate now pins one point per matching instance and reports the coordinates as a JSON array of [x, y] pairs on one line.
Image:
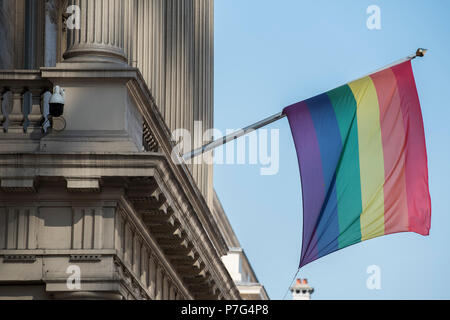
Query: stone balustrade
[[24, 102], [24, 110]]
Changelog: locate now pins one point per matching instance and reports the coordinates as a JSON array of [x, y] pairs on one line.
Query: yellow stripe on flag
[[370, 157]]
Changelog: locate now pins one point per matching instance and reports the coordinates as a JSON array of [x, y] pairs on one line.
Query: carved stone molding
[[24, 258], [21, 184], [83, 184], [153, 206], [86, 295]]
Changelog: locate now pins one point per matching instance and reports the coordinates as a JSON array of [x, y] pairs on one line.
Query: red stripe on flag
[[418, 196]]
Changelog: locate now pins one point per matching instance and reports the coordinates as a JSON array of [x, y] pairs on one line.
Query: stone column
[[203, 90], [52, 11], [101, 34], [159, 284], [7, 23], [152, 277]]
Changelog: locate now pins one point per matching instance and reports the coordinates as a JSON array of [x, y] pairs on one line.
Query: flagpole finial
[[421, 52]]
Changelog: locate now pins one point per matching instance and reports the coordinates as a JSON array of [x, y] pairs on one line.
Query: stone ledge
[[19, 258], [17, 185], [83, 185]]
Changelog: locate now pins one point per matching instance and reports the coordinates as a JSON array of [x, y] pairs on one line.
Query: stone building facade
[[92, 204]]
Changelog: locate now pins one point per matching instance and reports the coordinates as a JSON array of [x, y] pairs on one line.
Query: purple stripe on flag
[[311, 172]]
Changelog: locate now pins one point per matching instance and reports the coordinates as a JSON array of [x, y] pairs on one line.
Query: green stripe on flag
[[348, 183]]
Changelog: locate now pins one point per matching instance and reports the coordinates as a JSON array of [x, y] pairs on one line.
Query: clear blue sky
[[269, 54]]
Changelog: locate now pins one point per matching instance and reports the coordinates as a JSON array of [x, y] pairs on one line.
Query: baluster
[[45, 110], [2, 117], [27, 102], [35, 114], [7, 104], [16, 116]]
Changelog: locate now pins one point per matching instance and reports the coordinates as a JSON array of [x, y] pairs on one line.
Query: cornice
[[144, 100], [125, 165]]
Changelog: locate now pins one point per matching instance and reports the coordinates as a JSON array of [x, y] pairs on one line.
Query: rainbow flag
[[363, 162]]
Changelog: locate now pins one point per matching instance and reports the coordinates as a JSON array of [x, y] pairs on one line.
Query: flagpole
[[233, 136], [241, 132]]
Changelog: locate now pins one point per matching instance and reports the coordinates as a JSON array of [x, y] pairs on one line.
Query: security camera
[[57, 102]]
